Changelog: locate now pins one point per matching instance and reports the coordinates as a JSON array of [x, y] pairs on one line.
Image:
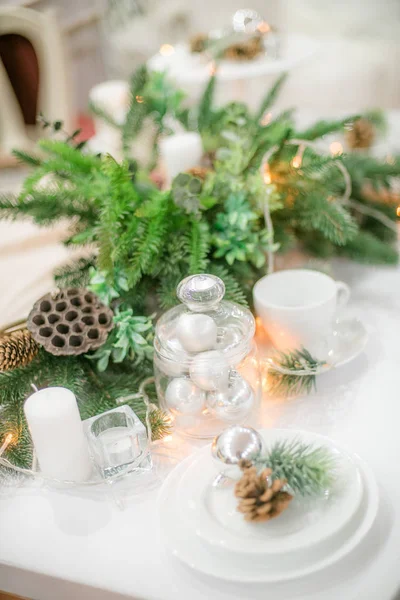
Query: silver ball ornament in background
[[183, 397], [233, 404], [233, 445], [210, 371], [196, 332]]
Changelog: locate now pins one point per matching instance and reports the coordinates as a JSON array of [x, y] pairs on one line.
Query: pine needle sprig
[[271, 96], [27, 159], [308, 469], [198, 244], [321, 128], [285, 373]]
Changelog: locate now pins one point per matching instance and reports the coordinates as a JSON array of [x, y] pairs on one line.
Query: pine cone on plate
[[17, 349], [260, 500], [361, 135]]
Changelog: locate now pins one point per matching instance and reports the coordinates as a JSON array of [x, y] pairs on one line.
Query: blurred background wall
[[356, 65]]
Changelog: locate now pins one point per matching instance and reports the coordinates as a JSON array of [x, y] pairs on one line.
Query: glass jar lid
[[204, 322]]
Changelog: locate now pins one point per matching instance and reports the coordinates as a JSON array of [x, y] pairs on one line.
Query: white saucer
[[223, 564], [346, 342], [349, 338], [212, 512]]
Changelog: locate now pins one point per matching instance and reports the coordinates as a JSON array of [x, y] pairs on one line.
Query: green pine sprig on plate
[[308, 469], [292, 373]]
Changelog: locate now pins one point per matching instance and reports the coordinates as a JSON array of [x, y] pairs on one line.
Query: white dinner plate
[[224, 564], [212, 512]]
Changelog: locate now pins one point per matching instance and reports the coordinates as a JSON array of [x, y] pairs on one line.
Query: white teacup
[[297, 307]]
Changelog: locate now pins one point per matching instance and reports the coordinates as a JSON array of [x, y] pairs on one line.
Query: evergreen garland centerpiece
[[141, 241]]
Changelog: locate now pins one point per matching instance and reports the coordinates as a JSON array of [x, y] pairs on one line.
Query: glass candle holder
[[118, 442]]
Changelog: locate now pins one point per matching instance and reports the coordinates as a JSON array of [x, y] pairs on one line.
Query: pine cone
[[17, 349], [258, 500], [198, 43], [199, 172], [246, 50], [360, 135]]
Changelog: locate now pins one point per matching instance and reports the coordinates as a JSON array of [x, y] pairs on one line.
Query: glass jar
[[205, 360]]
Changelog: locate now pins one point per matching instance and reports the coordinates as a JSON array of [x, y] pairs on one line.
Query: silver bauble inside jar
[[233, 404], [183, 397], [210, 370]]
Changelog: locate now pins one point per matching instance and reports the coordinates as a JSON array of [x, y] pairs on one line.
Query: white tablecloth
[[61, 545], [66, 545]]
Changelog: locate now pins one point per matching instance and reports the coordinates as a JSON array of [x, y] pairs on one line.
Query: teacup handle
[[343, 293]]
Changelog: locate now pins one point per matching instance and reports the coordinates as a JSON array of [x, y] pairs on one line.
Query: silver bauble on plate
[[183, 397], [235, 403], [210, 371], [196, 332], [233, 445]]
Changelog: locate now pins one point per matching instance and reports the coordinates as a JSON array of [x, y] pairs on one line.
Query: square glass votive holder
[[118, 442]]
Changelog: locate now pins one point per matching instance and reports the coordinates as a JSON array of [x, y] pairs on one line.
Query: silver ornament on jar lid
[[233, 445], [234, 403]]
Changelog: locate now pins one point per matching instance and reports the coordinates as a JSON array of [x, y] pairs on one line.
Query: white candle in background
[[180, 152], [113, 98], [57, 434]]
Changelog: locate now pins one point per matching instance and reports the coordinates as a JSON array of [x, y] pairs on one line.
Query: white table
[[58, 545]]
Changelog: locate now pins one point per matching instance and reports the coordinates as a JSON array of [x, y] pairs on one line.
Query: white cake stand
[[239, 81]]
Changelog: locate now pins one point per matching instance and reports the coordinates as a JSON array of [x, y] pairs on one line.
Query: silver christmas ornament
[[196, 332], [210, 371], [183, 397], [246, 20], [235, 403], [233, 445], [170, 367]]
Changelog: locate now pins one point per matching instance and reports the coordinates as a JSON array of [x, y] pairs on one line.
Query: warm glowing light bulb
[[212, 68], [296, 162], [139, 99], [266, 119], [267, 175], [398, 211], [167, 50], [336, 148], [263, 27], [7, 441]]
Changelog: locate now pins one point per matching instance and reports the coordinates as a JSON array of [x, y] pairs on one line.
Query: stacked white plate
[[202, 527]]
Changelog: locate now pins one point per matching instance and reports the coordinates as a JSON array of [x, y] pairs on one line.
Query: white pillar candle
[[57, 434], [180, 152]]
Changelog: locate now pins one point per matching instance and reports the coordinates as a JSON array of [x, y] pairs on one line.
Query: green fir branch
[[271, 96], [205, 111], [198, 241], [321, 128], [308, 469], [292, 384]]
